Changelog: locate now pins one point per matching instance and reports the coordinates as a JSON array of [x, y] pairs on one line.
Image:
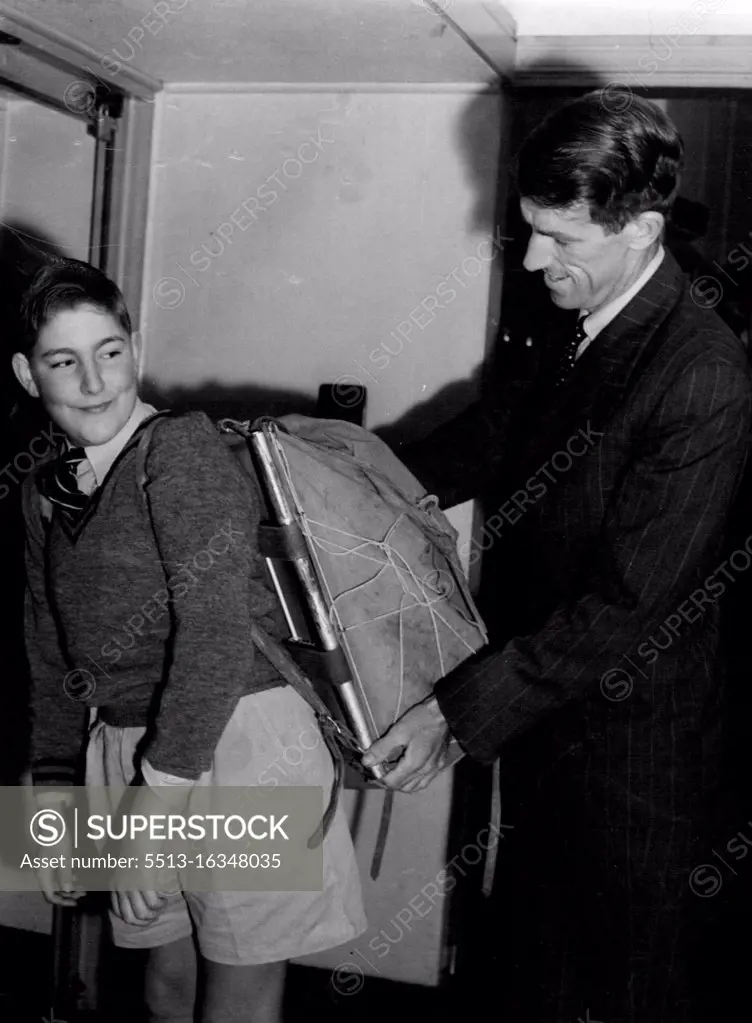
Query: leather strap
[[284, 542], [334, 734], [276, 654], [328, 665], [386, 820]]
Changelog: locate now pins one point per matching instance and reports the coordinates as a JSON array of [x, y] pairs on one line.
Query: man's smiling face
[[583, 266]]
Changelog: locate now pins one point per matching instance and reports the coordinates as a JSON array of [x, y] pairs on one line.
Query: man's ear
[[22, 369], [645, 230]]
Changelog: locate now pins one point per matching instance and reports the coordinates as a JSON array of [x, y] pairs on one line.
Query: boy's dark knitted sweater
[[146, 615]]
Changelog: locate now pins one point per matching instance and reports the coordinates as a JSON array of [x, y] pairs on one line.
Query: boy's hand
[[138, 908], [57, 883], [294, 421]]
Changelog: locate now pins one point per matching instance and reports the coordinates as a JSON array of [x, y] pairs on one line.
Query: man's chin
[[563, 301]]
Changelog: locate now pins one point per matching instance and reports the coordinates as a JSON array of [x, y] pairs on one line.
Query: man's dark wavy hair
[[616, 152], [67, 284]]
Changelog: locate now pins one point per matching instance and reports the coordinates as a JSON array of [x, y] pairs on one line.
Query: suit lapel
[[606, 370]]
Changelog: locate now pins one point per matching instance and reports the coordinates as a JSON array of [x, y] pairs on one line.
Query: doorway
[[60, 171]]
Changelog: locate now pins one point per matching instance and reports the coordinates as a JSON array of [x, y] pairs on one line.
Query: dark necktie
[[59, 483], [569, 354]]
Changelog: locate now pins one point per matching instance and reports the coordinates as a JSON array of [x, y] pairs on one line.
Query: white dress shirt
[[100, 457], [593, 323]]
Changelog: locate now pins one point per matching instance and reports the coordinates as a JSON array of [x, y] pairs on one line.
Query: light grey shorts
[[271, 734]]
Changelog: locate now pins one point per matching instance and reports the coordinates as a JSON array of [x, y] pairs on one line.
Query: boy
[[183, 697]]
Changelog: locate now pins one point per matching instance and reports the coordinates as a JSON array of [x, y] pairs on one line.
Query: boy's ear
[[137, 348], [22, 369]]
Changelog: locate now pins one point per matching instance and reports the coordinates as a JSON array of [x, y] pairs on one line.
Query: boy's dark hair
[[67, 284], [616, 152]]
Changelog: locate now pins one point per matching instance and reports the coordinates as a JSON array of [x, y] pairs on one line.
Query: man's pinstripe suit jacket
[[606, 502]]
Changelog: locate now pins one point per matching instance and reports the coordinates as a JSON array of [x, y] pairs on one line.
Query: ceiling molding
[[76, 57], [487, 28], [639, 62], [193, 88]]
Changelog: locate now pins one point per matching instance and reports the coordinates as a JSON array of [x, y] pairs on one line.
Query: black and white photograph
[[375, 511]]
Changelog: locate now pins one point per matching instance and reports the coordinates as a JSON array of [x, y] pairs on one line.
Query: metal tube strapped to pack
[[285, 540]]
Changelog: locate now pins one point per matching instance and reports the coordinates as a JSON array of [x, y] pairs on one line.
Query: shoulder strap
[[334, 734], [276, 654], [142, 450]]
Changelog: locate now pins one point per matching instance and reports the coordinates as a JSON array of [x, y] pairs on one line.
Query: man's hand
[[423, 734]]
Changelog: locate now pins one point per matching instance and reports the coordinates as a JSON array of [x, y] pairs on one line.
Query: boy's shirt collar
[[101, 456]]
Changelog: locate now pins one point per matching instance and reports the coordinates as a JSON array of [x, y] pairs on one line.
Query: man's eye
[[62, 363]]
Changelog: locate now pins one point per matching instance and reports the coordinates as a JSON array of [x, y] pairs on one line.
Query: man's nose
[[538, 254]]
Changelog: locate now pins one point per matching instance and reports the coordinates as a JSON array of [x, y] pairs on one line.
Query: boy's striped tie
[[59, 483]]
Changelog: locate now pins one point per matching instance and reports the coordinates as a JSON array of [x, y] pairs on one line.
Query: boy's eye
[[61, 362], [112, 353]]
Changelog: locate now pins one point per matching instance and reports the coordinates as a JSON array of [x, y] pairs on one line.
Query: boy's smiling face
[[84, 369]]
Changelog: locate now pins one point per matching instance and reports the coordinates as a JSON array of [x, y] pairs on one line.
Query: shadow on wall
[[481, 155], [491, 212], [522, 312], [246, 402], [481, 161], [495, 215], [527, 309]]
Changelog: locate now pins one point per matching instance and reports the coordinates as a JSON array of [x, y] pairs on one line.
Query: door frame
[[118, 102]]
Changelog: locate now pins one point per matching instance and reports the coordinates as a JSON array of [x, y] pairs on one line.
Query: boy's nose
[[92, 382]]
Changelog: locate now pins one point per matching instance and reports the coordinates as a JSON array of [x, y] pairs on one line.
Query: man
[[606, 480]]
